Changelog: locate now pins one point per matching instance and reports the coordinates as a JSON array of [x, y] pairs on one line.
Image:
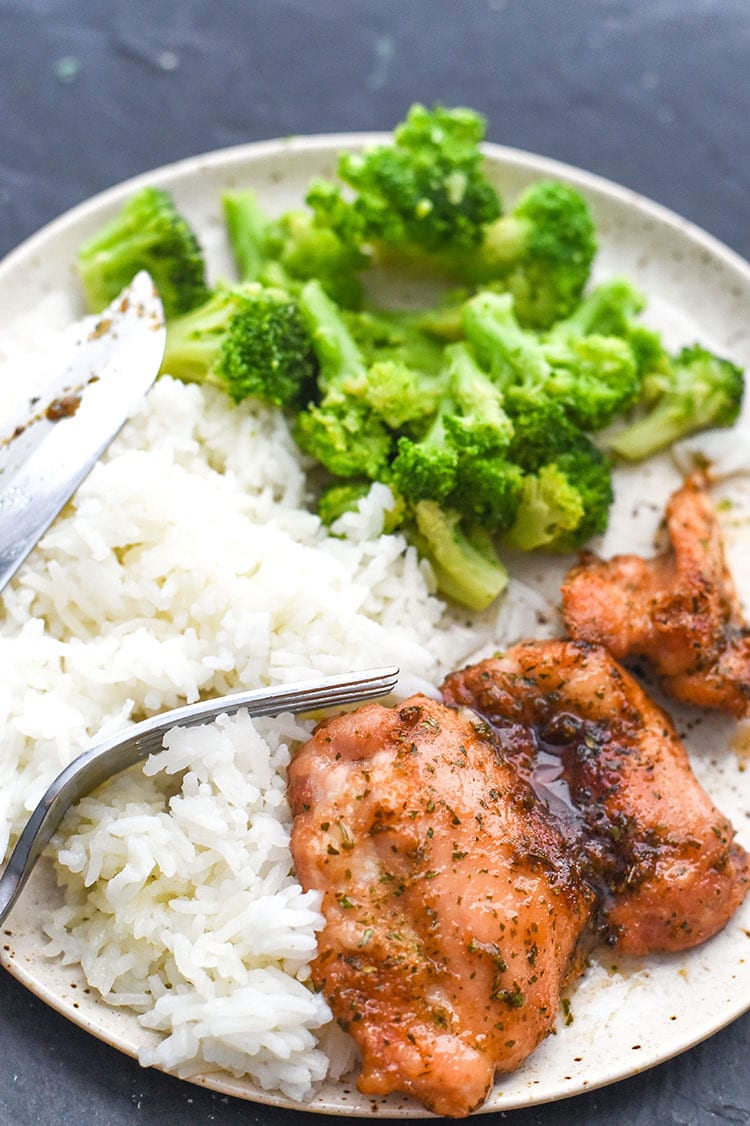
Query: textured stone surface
[[652, 93]]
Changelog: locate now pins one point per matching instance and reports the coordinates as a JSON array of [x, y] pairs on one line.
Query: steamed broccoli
[[425, 469], [466, 566], [289, 249], [567, 490], [386, 334], [345, 437], [426, 190], [540, 252], [460, 461], [611, 309], [148, 233], [698, 390], [247, 340], [350, 429], [594, 378]]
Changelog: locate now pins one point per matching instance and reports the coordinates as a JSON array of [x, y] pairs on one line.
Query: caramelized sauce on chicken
[[679, 610], [454, 908], [652, 842]]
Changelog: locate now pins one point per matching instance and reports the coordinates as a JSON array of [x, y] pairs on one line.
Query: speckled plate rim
[[701, 1014]]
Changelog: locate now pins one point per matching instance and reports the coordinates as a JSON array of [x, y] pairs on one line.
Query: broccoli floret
[[291, 249], [400, 395], [476, 419], [148, 233], [345, 437], [512, 354], [540, 252], [466, 566], [376, 398], [460, 461], [426, 469], [550, 510], [610, 309], [593, 377], [698, 391], [549, 447], [342, 431], [487, 490], [425, 190], [596, 378], [249, 341]]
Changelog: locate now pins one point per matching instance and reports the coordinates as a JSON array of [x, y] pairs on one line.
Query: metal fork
[[106, 759]]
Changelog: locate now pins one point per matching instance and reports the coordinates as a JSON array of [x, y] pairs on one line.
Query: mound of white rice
[[182, 905], [188, 564]]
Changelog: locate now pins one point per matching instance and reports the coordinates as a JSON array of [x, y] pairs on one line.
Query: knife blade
[[47, 451]]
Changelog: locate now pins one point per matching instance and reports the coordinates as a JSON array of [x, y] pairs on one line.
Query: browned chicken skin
[[607, 758], [679, 610], [453, 906]]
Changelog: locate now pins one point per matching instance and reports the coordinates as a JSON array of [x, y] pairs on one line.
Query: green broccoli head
[[425, 469], [697, 391], [595, 378], [290, 250], [487, 490], [247, 340], [477, 422], [346, 437], [459, 459], [610, 309], [540, 252], [546, 440], [426, 189], [550, 510], [399, 395], [147, 233]]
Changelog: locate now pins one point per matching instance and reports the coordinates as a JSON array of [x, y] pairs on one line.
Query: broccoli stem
[[195, 340], [338, 353], [609, 310], [467, 569], [247, 227], [670, 419], [503, 347]]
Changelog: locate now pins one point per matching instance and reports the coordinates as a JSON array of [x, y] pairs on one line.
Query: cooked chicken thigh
[[679, 610], [454, 908], [607, 759]]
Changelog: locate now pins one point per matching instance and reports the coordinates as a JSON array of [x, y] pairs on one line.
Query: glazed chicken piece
[[607, 759], [453, 909], [679, 610]]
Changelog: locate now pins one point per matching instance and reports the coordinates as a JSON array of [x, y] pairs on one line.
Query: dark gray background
[[652, 93]]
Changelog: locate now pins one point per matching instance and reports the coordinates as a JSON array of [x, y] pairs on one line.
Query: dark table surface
[[651, 93]]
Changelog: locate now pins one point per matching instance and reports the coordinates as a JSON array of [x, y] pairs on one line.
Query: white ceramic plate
[[625, 1018]]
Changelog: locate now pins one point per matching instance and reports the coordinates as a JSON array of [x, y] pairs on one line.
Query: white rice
[[188, 564]]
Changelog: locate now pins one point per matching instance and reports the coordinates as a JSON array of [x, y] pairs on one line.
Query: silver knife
[[48, 450]]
